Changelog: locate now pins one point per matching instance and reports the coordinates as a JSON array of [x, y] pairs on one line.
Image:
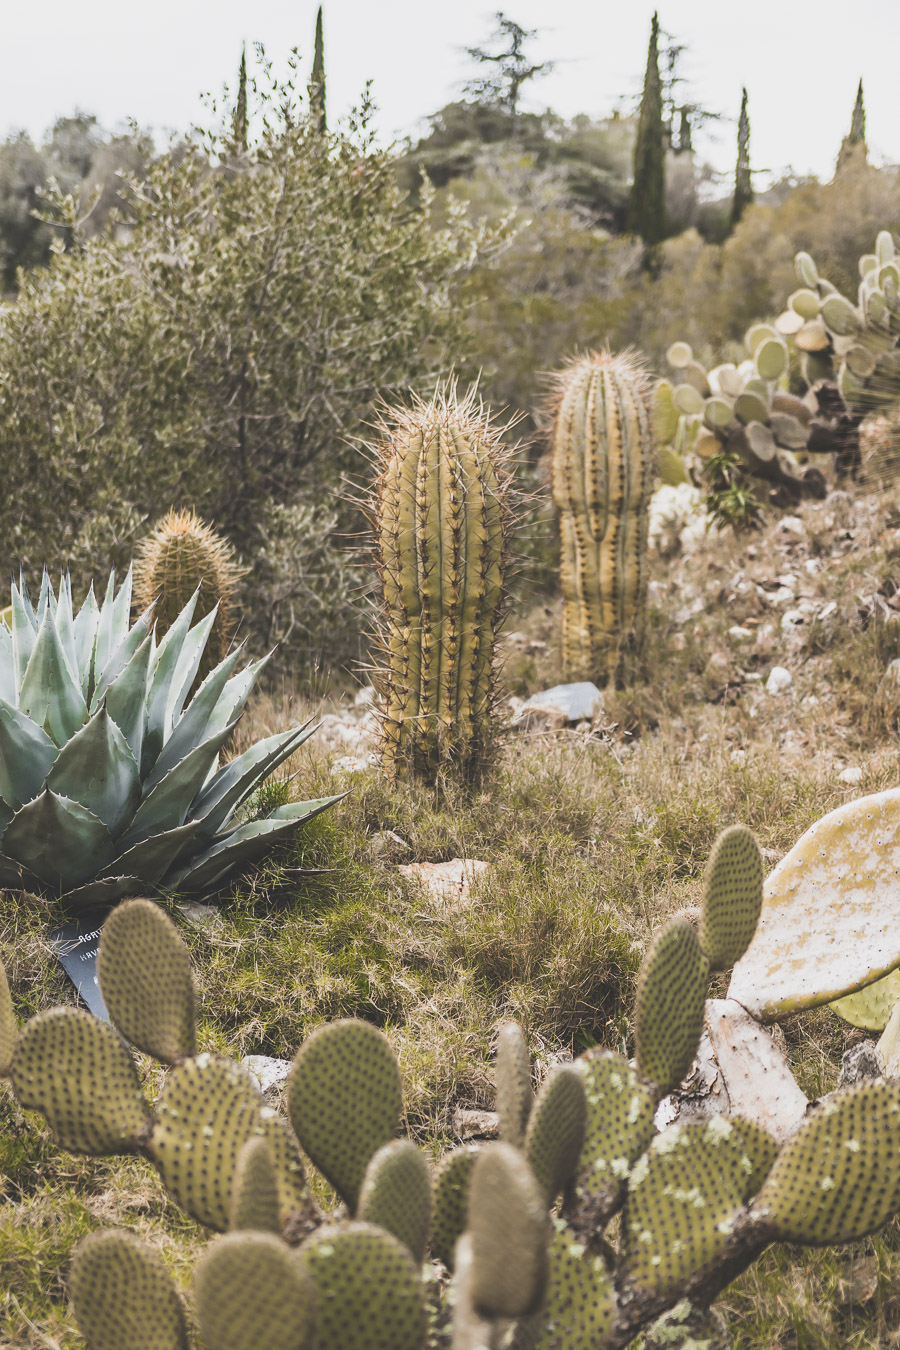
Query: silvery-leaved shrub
[[110, 774]]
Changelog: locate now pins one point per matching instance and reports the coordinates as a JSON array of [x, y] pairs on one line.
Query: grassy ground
[[593, 839]]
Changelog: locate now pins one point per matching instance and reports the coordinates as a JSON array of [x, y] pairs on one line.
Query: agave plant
[[110, 781]]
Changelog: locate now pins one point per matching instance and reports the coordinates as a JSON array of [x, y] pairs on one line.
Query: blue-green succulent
[[111, 782]]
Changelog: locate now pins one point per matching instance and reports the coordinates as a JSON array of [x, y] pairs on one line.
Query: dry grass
[[593, 840]]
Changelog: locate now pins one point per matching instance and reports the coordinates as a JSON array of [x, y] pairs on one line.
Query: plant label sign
[[76, 946]]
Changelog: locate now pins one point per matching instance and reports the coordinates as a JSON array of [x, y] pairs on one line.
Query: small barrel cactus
[[602, 478], [441, 514], [181, 556]]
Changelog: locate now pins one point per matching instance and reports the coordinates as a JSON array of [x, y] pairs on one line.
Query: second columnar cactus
[[441, 514], [602, 479]]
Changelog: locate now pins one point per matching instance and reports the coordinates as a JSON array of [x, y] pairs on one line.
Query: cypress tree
[[743, 186], [646, 205], [317, 78], [853, 147], [240, 108]]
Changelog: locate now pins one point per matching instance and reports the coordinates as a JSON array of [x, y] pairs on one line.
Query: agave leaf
[[237, 779], [50, 693], [188, 664], [46, 598], [163, 664], [104, 643], [6, 815], [167, 805], [25, 600], [205, 870], [61, 841], [85, 630], [103, 891], [97, 769], [126, 697], [8, 689], [121, 656], [121, 614], [192, 725], [26, 756], [17, 878], [236, 693], [24, 630], [64, 620], [151, 858]]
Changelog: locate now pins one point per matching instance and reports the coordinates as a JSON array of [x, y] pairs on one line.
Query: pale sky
[[800, 61]]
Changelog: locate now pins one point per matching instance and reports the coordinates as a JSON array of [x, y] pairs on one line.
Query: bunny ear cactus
[[603, 464], [181, 558], [441, 510], [110, 781]]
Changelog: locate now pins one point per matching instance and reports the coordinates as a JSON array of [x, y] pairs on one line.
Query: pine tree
[[743, 185], [853, 147], [239, 122], [646, 205], [317, 79]]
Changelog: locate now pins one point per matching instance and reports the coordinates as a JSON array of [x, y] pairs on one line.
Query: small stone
[[791, 525], [827, 610], [893, 670], [469, 1124], [202, 916], [574, 701], [678, 642], [791, 619], [385, 841], [852, 776], [354, 763], [860, 1062], [269, 1075], [779, 681], [447, 882], [739, 634]]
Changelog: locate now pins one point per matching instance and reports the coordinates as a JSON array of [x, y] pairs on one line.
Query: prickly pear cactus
[[603, 464], [441, 512], [124, 1295], [181, 556]]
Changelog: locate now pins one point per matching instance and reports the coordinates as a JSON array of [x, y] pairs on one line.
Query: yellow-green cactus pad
[[290, 1180], [580, 1305], [254, 1193], [509, 1231], [665, 415], [451, 1201], [732, 897], [124, 1296], [620, 1110], [344, 1099], [252, 1293], [685, 1196], [871, 1008], [513, 1077], [7, 1025], [396, 1194], [207, 1111], [830, 920], [671, 992], [145, 976], [839, 1177], [556, 1130], [80, 1075], [369, 1291]]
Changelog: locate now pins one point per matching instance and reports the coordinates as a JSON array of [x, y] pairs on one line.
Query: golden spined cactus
[[602, 479], [441, 510], [182, 555]]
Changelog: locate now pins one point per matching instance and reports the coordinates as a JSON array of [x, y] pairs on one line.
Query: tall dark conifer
[[853, 147], [240, 107], [743, 184], [646, 205], [317, 78]]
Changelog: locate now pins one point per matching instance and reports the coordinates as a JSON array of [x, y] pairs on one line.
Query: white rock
[[366, 697], [893, 669], [852, 775], [779, 681], [447, 882], [354, 763], [791, 525], [827, 610], [791, 619], [269, 1073], [202, 916], [739, 634]]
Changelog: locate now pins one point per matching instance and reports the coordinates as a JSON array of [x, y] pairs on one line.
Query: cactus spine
[[181, 556], [602, 478], [441, 517]]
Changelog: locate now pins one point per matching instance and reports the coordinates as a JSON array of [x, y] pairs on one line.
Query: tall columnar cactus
[[602, 479], [182, 556], [441, 514]]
